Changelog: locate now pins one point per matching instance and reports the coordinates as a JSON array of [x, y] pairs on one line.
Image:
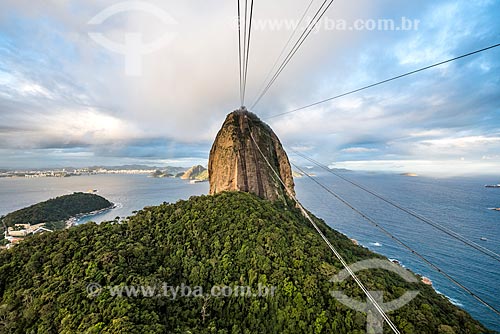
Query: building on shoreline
[[18, 232]]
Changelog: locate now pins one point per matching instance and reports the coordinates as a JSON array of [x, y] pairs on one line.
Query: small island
[[54, 214], [409, 174], [159, 174], [195, 174]]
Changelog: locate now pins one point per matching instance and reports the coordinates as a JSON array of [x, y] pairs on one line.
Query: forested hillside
[[227, 239], [57, 209]]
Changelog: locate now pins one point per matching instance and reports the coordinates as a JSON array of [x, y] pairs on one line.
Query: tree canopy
[[229, 239], [57, 209]]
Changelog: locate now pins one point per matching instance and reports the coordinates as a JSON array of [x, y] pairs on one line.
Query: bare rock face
[[193, 172], [236, 164]]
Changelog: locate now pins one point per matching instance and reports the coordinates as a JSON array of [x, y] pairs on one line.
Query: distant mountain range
[[171, 169], [122, 167]]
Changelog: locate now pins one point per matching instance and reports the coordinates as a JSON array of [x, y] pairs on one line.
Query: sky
[[69, 99]]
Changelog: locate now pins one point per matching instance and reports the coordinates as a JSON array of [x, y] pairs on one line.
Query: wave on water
[[376, 244], [452, 300], [455, 302], [396, 261]]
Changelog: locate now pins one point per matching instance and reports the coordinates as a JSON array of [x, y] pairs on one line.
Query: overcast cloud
[[66, 100]]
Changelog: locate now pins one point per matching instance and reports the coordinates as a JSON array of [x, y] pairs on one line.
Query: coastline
[[73, 221]]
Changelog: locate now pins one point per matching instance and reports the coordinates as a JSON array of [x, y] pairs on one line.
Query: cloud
[[437, 168], [469, 146], [359, 150], [473, 142], [66, 128], [61, 90]]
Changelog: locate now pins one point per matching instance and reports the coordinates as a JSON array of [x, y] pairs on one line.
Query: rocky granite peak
[[236, 164]]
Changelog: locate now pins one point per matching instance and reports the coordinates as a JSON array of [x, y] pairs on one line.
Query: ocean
[[461, 204]]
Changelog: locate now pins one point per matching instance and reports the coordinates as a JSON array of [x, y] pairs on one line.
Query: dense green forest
[[57, 209], [229, 239]]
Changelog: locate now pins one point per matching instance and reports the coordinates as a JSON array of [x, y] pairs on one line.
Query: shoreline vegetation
[[56, 209], [54, 214]]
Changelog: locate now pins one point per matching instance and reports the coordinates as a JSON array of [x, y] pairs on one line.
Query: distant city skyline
[[67, 100]]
